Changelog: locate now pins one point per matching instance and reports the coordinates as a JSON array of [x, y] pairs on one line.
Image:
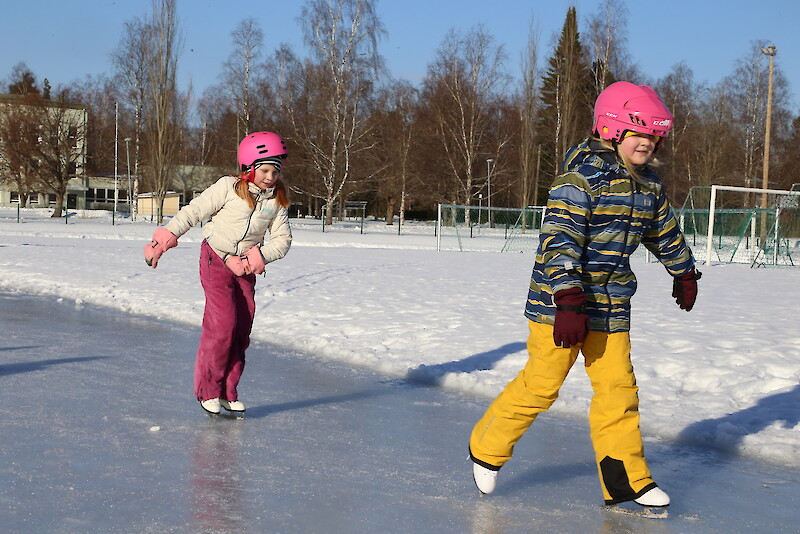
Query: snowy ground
[[724, 375], [100, 435]]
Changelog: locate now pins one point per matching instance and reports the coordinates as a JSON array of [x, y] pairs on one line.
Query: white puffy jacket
[[234, 226]]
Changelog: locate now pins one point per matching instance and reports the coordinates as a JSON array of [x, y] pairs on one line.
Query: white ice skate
[[236, 407], [653, 505], [653, 498], [211, 406], [485, 479]]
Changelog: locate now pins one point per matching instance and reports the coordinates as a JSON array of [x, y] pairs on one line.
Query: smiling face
[[266, 176], [637, 147]]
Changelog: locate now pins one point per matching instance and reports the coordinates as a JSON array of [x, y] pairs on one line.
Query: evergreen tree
[[567, 98]]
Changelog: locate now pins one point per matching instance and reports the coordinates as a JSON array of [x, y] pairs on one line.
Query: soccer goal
[[729, 224], [484, 229]]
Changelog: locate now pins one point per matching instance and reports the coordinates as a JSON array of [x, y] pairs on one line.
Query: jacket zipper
[[249, 221], [634, 188]]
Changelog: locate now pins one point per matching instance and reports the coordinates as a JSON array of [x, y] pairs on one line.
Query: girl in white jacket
[[242, 210]]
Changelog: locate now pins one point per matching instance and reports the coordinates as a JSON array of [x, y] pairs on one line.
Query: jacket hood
[[592, 152]]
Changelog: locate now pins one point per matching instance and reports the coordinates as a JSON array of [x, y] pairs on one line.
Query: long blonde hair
[[242, 189], [626, 163]]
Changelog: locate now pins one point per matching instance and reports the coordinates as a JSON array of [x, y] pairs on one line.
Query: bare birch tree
[[130, 60], [463, 83], [342, 36], [714, 145], [746, 89], [606, 41], [530, 150], [238, 73], [393, 135], [165, 109], [681, 95]]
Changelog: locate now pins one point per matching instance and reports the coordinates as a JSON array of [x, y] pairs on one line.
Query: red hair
[[243, 190]]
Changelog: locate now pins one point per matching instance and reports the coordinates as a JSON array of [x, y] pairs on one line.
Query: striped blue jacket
[[596, 216]]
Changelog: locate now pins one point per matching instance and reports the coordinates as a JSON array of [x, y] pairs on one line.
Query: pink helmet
[[626, 106], [261, 146]]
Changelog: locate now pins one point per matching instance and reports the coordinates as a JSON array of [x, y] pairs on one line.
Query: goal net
[[729, 224], [483, 229]]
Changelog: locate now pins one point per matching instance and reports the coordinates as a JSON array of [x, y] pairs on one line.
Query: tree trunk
[[390, 206]]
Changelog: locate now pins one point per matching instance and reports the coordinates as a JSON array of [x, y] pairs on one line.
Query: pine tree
[[567, 98]]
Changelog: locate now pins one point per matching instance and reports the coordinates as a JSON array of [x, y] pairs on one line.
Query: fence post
[[711, 205], [775, 252], [438, 228]]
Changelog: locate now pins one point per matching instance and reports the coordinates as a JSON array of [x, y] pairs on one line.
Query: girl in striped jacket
[[242, 210], [605, 203]]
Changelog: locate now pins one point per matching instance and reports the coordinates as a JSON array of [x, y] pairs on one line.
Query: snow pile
[[725, 375]]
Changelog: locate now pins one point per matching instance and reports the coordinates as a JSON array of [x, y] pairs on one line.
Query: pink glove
[[234, 263], [254, 261], [250, 263], [163, 240]]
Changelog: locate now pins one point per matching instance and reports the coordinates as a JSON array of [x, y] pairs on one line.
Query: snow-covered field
[[725, 375]]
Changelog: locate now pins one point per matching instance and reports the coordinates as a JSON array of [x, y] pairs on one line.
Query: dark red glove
[[572, 323], [684, 289]]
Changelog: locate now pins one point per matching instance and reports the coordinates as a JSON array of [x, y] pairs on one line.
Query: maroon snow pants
[[227, 320]]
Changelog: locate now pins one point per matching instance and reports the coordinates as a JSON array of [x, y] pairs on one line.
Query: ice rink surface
[[101, 433]]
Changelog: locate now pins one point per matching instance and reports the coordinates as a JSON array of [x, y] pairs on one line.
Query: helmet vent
[[636, 120]]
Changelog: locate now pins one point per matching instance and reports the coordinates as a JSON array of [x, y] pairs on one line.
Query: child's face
[[266, 176], [638, 147]]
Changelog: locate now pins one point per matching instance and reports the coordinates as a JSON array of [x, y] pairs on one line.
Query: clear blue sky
[[66, 40]]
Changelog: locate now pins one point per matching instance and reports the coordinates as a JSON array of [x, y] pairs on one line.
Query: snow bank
[[725, 375]]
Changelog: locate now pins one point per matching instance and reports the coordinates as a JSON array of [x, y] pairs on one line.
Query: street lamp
[[116, 154], [769, 51], [130, 190], [489, 192]]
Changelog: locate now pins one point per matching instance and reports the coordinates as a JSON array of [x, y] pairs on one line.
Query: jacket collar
[[592, 152], [261, 194]]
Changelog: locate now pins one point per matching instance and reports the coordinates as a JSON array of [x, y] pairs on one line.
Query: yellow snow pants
[[613, 415]]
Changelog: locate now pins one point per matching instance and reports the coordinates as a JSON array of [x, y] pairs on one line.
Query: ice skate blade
[[223, 415], [648, 512]]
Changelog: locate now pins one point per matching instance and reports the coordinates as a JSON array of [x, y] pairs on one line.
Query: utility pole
[[769, 51], [489, 163]]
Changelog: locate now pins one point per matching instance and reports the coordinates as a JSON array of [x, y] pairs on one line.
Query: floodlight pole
[[489, 190], [130, 186], [116, 158], [769, 51]]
